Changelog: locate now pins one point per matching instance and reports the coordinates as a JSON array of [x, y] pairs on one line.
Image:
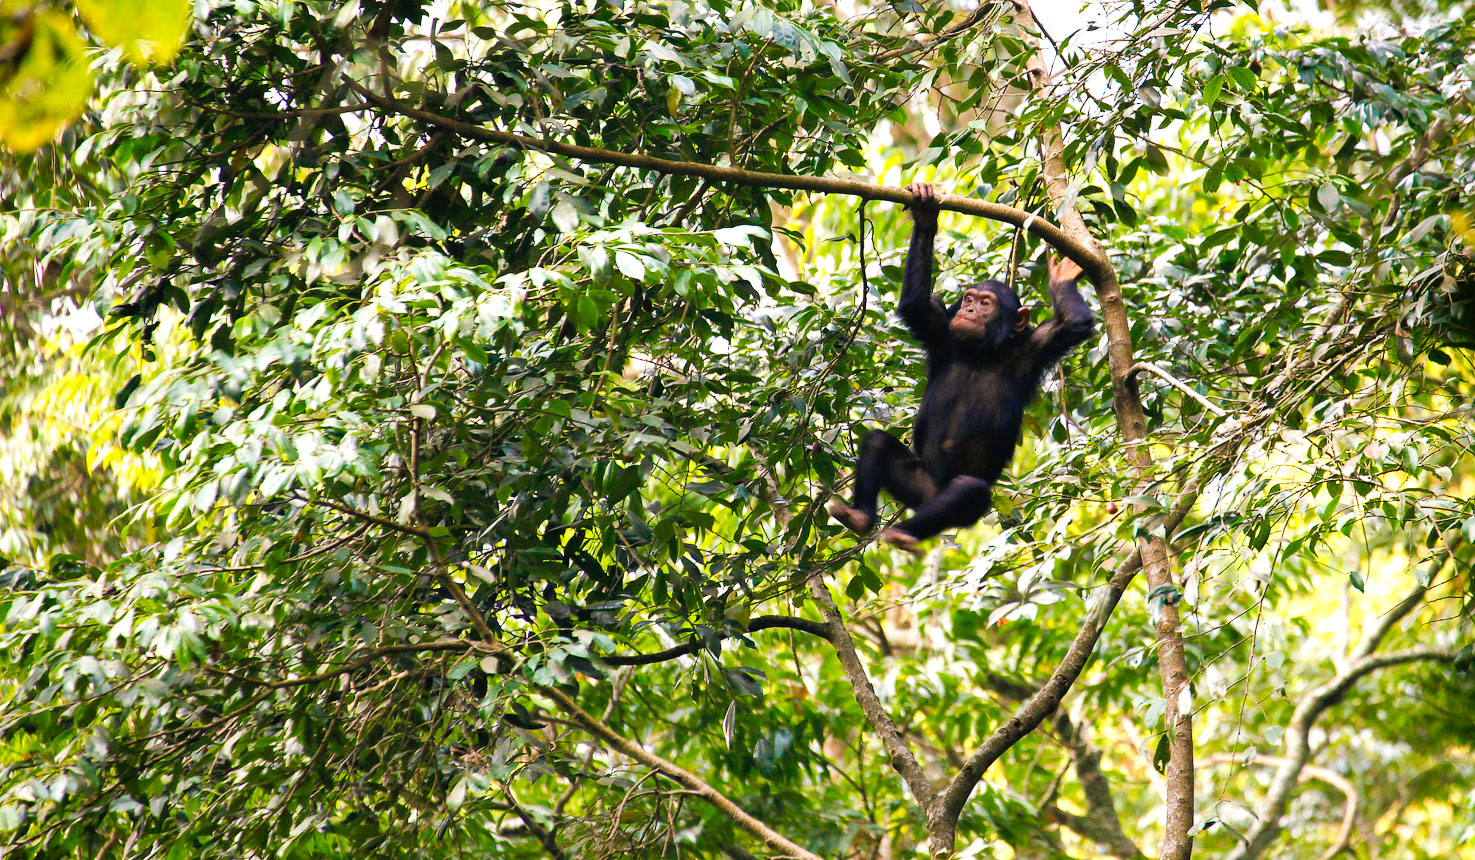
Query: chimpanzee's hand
[[1063, 269], [924, 203]]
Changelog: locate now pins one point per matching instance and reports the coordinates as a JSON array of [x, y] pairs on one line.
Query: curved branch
[[679, 775], [1093, 262], [762, 622], [1298, 744]]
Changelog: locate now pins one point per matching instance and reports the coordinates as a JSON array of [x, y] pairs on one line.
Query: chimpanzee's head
[[988, 315]]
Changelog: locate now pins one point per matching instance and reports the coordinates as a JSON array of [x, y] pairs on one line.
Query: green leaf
[[1421, 230], [747, 682], [630, 265], [1212, 88]]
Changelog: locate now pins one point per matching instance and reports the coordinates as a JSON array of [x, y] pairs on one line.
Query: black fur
[[973, 406]]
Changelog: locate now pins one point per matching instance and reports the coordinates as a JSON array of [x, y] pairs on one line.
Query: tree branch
[[1298, 742], [682, 777], [1326, 775], [1092, 261], [762, 622], [1176, 383], [1101, 823], [1132, 424], [1040, 705], [1151, 552], [903, 760]]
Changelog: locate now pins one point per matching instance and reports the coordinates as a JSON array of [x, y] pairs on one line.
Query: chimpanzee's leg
[[885, 463], [960, 503]]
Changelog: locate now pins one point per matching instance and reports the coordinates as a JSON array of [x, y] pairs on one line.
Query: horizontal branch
[[762, 622], [1094, 265]]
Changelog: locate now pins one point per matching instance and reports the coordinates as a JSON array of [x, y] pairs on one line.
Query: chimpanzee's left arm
[[1073, 321]]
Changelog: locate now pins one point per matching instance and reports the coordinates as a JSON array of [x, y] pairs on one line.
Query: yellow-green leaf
[[149, 31], [49, 87]]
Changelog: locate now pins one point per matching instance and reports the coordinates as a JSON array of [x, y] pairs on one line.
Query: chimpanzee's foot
[[902, 541], [854, 519]]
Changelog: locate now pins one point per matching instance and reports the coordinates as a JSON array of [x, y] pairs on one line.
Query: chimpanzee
[[984, 363]]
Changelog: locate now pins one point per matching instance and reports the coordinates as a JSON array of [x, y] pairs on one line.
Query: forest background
[[416, 420]]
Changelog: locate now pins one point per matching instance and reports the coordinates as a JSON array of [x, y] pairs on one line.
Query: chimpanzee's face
[[978, 308], [988, 316]]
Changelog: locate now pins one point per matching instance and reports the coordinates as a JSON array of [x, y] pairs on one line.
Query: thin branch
[[762, 622], [539, 832], [1132, 424], [365, 516], [1176, 383], [1093, 262], [690, 781], [1341, 783]]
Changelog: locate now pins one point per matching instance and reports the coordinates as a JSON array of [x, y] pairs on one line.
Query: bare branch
[[1132, 424]]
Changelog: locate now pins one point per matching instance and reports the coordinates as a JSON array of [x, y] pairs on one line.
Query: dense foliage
[[370, 486]]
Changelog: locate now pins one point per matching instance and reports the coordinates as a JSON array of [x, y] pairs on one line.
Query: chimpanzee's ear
[[1021, 319]]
